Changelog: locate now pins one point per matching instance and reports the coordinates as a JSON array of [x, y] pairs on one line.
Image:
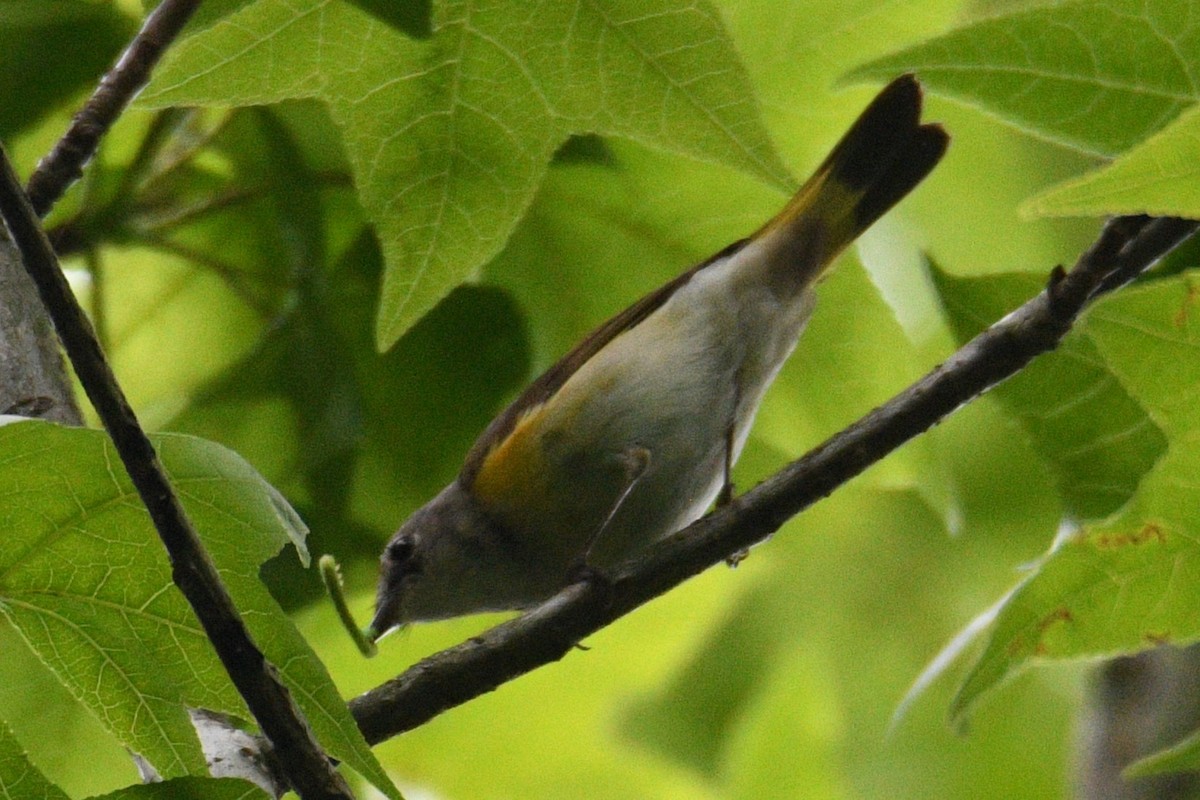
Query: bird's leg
[[725, 496], [634, 461]]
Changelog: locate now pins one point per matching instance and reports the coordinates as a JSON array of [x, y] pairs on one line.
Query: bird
[[632, 435]]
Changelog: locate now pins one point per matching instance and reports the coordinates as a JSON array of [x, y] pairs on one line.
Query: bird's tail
[[882, 158]]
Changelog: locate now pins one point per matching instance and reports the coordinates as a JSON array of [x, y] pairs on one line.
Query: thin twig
[[64, 164], [228, 273], [303, 762], [228, 198], [1126, 247]]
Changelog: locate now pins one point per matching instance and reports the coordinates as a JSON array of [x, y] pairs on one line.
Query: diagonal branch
[[63, 165], [1126, 247], [306, 766]]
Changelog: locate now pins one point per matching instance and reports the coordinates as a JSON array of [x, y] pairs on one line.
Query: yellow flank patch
[[513, 474]]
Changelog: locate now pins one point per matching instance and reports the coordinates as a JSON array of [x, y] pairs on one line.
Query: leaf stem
[[332, 576]]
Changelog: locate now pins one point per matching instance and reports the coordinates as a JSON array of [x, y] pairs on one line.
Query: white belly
[[674, 385]]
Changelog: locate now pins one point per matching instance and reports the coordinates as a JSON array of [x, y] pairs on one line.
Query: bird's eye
[[400, 549]]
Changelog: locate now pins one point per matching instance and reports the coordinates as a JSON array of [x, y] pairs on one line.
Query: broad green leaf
[[42, 715], [449, 138], [19, 778], [1133, 581], [92, 33], [796, 53], [798, 708], [189, 788], [1149, 336], [86, 583], [1096, 439], [1160, 177], [1096, 75]]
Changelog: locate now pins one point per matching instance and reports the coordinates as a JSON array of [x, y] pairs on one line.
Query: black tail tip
[[882, 129]]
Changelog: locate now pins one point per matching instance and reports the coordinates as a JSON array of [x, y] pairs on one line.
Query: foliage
[[336, 238]]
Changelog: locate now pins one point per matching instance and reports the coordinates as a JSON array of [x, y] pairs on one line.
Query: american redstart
[[631, 436]]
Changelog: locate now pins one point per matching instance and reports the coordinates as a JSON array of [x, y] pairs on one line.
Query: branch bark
[[63, 165], [1126, 247], [306, 766], [33, 378]]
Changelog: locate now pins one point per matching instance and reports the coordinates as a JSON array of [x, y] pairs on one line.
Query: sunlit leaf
[[86, 583], [18, 777], [1097, 75], [1160, 177], [449, 138], [1133, 581]]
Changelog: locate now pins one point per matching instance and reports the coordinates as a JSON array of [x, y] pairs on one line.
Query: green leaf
[[1160, 177], [1128, 583], [690, 719], [1183, 756], [1149, 336], [449, 138], [86, 583], [92, 33], [19, 778], [1096, 75], [1096, 439], [189, 788]]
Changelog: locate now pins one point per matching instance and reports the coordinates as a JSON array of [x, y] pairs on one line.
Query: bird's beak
[[386, 619]]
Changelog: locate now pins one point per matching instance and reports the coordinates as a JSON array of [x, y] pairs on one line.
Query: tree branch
[[63, 165], [1126, 247], [33, 378], [306, 766]]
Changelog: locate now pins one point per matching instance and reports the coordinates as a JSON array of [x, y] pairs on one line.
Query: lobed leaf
[[1132, 581], [450, 137], [86, 583], [1095, 75], [1160, 177], [1096, 440]]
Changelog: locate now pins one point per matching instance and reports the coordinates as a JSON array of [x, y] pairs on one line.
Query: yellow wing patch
[[511, 481]]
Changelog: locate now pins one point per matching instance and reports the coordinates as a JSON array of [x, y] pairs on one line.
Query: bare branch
[[1125, 248], [307, 767], [64, 164]]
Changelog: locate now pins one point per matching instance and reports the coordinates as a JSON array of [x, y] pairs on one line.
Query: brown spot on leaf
[[1060, 614], [1016, 647], [1157, 638], [1185, 309], [1150, 533]]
